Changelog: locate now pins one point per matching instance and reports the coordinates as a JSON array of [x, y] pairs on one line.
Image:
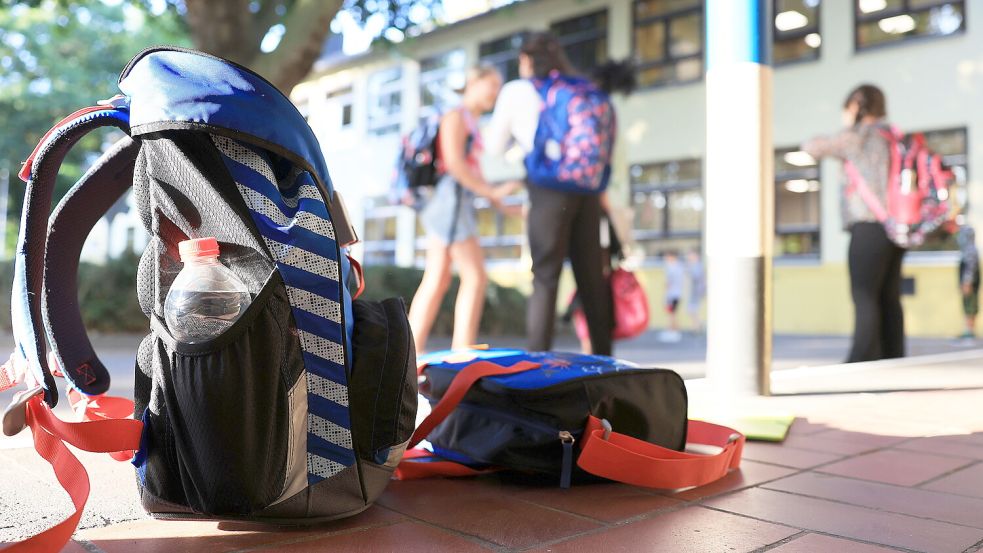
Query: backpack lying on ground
[[301, 410], [917, 189], [566, 416], [574, 138]]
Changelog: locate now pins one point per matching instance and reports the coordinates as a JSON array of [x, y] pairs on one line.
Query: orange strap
[[357, 269], [50, 436], [640, 463]]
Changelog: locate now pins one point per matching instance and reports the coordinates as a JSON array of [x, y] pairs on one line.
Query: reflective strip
[[321, 467], [303, 259], [313, 303], [306, 192], [329, 431], [304, 219], [329, 390], [322, 347], [244, 156]]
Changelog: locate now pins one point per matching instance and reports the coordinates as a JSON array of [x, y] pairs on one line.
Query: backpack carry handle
[[41, 171]]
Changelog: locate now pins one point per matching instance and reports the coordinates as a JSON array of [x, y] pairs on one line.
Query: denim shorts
[[449, 214]]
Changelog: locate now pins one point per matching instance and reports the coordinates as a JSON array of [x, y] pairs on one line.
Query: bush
[[107, 294], [109, 301], [505, 308]]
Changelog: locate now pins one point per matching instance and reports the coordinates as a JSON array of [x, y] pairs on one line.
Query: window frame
[[342, 97], [497, 59], [379, 210], [861, 18], [796, 33], [581, 37], [665, 19], [434, 75], [806, 173], [382, 127], [666, 233]]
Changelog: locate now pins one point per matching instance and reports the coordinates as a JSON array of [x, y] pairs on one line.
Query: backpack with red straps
[[296, 414], [917, 189], [565, 416]]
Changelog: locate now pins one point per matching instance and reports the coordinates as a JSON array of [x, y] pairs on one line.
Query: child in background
[[969, 278], [675, 277], [697, 288]]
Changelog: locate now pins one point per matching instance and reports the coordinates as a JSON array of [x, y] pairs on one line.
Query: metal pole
[[740, 196], [4, 190]]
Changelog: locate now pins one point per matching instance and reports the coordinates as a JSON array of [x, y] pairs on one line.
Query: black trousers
[[562, 225], [875, 283]]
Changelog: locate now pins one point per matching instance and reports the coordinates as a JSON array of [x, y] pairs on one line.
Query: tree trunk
[[218, 26], [308, 24]]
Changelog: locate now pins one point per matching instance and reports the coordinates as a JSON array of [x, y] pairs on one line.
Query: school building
[[926, 54]]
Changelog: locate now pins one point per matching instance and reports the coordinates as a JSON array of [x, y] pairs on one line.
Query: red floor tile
[[945, 445], [802, 427], [817, 543], [858, 523], [154, 536], [750, 474], [482, 508], [891, 466], [404, 537], [968, 481], [910, 501], [869, 440], [828, 445], [778, 454], [607, 502], [690, 529]]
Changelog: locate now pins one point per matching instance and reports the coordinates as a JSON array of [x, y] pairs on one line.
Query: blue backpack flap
[[299, 412], [575, 136], [564, 415]]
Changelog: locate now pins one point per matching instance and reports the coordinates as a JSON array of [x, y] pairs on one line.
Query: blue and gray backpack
[[300, 412]]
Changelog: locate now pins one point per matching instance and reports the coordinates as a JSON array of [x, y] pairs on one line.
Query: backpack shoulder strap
[[74, 217], [40, 171]]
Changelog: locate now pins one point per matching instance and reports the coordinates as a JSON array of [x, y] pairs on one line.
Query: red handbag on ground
[[631, 308]]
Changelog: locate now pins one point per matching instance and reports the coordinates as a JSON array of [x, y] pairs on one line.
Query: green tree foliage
[[56, 58]]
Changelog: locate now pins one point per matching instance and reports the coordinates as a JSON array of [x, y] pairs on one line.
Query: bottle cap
[[198, 247]]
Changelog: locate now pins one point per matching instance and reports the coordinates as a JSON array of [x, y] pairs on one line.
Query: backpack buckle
[[607, 429], [15, 415]]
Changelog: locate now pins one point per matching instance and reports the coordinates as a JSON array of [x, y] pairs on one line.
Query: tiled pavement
[[858, 473]]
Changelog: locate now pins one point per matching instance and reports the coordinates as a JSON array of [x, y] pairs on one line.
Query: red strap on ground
[[102, 407], [458, 388], [640, 463], [50, 435]]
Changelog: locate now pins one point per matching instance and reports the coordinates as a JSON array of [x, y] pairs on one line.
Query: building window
[[585, 39], [440, 76], [339, 108], [796, 32], [385, 100], [797, 203], [503, 53], [952, 145], [668, 201], [669, 41], [882, 22], [379, 237]]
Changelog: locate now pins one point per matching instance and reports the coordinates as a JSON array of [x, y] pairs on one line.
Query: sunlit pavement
[[860, 472]]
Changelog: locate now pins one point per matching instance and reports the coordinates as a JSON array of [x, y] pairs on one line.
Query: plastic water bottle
[[206, 298]]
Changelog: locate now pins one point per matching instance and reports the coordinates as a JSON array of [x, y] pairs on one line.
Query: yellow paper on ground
[[765, 428]]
